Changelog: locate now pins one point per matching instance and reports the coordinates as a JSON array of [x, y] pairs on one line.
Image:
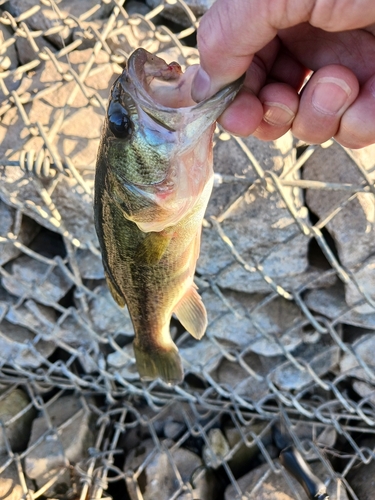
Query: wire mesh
[[286, 273]]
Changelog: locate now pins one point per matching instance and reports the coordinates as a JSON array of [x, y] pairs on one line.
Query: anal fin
[[163, 362], [191, 313]]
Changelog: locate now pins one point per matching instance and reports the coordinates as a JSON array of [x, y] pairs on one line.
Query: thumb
[[232, 31]]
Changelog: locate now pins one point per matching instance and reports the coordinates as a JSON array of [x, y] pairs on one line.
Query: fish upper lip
[[147, 103]]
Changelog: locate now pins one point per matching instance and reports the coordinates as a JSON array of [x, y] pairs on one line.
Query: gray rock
[[16, 415], [34, 279], [243, 446], [8, 55], [362, 480], [172, 429], [127, 37], [321, 360], [66, 444], [46, 17], [352, 227], [364, 349], [216, 450], [235, 378], [26, 52], [176, 13], [200, 355], [160, 480], [364, 276], [11, 487], [90, 264], [107, 317], [311, 437], [243, 323], [262, 231], [135, 7], [366, 391], [18, 346], [264, 484], [123, 363], [27, 232], [331, 303]]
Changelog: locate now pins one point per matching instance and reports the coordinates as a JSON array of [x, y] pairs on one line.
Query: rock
[[311, 437], [35, 280], [107, 317], [173, 10], [11, 487], [366, 391], [85, 33], [8, 55], [26, 233], [16, 414], [365, 278], [36, 317], [90, 264], [264, 484], [127, 37], [248, 325], [123, 363], [66, 444], [244, 448], [234, 377], [362, 480], [26, 52], [135, 7], [172, 429], [262, 230], [199, 355], [364, 348], [320, 358], [352, 227], [18, 347], [331, 303], [46, 17], [75, 208], [216, 450], [159, 478]]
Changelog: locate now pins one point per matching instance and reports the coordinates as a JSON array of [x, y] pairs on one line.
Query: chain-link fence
[[286, 273]]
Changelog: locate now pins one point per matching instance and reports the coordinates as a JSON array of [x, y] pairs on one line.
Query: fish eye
[[119, 121]]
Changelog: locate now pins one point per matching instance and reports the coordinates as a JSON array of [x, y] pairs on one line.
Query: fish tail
[[161, 361]]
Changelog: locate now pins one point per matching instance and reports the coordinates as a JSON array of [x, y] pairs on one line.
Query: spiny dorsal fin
[[153, 247], [191, 313]]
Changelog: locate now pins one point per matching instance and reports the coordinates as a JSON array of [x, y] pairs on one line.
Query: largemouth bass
[[153, 181]]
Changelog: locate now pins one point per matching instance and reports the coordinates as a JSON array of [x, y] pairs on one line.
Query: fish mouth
[[163, 91]]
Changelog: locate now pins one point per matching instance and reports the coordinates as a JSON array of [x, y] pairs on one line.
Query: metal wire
[[65, 340]]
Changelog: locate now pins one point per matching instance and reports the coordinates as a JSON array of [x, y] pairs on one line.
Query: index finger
[[233, 31]]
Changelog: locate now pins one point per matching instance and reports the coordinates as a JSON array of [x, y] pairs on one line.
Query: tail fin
[[163, 362]]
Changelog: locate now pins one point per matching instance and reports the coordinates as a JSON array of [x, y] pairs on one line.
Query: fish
[[153, 180]]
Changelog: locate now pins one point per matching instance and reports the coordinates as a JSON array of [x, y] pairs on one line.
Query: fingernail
[[330, 95], [200, 87], [277, 114]]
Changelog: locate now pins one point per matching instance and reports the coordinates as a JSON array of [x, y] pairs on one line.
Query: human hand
[[278, 43]]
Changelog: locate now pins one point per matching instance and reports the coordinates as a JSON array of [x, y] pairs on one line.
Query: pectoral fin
[[153, 247], [191, 313]]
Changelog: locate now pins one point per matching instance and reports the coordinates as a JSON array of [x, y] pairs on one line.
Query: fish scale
[[152, 185]]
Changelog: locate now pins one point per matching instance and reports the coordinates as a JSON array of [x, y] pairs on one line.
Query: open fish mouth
[[163, 91]]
